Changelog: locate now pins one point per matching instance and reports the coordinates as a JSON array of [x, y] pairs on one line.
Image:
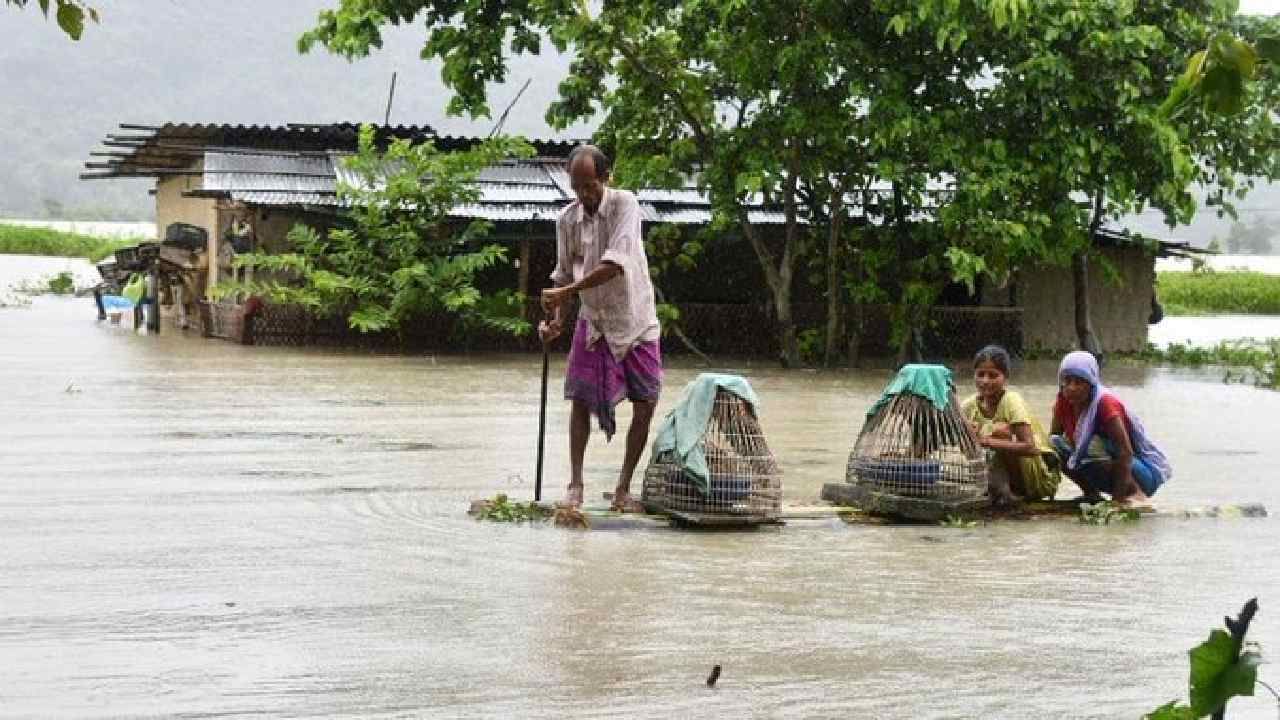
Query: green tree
[[1045, 116], [1074, 134], [399, 254], [762, 102], [69, 14], [715, 85]]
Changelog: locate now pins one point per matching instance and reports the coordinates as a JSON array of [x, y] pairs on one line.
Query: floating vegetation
[[500, 508], [62, 284], [11, 299], [958, 521], [1105, 513], [1245, 360]]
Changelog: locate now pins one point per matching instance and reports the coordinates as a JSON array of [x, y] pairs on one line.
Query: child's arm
[[1022, 441]]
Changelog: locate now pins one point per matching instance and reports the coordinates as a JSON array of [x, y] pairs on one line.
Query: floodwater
[[191, 527], [1209, 330]]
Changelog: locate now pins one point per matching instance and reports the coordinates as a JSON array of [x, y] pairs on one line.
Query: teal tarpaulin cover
[[685, 425], [928, 381]]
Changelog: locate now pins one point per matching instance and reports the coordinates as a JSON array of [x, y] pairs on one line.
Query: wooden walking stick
[[542, 426]]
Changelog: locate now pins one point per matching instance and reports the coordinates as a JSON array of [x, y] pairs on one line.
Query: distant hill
[[235, 61], [230, 61]]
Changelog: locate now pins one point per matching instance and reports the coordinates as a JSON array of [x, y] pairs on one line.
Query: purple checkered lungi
[[595, 377]]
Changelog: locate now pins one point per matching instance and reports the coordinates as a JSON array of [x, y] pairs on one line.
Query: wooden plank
[[882, 503], [847, 494], [718, 520]]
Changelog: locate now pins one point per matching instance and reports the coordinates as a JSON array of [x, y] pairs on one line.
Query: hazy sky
[[155, 61], [1265, 7]]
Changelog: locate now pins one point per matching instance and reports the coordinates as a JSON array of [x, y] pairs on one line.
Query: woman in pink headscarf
[[1103, 446]]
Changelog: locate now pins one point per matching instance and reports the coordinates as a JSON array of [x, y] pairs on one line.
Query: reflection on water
[[1212, 329], [20, 270], [199, 527]]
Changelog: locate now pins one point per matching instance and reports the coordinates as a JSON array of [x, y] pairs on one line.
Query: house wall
[[1119, 310], [271, 228], [172, 206]]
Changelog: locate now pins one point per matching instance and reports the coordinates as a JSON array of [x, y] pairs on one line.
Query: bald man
[[615, 351]]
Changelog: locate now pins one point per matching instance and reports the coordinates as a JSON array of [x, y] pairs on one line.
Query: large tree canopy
[[1048, 117]]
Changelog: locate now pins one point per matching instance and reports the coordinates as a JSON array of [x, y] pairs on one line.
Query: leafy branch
[[400, 253], [1222, 667], [69, 14]]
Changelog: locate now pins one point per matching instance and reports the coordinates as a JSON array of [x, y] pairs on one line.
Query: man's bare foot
[[623, 502], [572, 496], [1134, 501]]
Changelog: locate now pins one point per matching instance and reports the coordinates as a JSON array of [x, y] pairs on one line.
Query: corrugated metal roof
[[680, 197], [560, 178], [533, 173], [512, 193], [225, 182], [507, 212], [702, 216], [278, 199], [282, 163], [160, 150], [520, 190]]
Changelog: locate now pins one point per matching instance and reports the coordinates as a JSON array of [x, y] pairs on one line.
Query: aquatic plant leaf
[[1171, 711], [1216, 676]]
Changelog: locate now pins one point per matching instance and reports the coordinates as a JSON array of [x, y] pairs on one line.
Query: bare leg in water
[[637, 437], [579, 431]]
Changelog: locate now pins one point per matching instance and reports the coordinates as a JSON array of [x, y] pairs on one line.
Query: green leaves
[[1217, 676], [1218, 75], [1222, 667], [965, 267], [71, 19], [69, 14], [400, 254]]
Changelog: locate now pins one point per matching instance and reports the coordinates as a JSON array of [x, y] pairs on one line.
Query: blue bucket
[[896, 473]]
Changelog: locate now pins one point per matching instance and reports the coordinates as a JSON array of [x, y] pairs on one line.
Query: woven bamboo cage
[[743, 477], [910, 449]]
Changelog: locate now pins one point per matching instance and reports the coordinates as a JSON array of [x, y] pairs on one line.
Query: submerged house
[[225, 189]]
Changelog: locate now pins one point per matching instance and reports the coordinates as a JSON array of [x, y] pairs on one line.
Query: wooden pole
[[153, 319], [542, 426], [391, 95], [522, 275]]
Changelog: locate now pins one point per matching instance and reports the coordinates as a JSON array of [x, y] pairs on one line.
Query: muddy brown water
[[193, 527]]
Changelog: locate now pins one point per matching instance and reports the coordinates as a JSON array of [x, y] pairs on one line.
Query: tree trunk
[[853, 335], [835, 293], [1084, 323], [1085, 336], [778, 276], [789, 344]]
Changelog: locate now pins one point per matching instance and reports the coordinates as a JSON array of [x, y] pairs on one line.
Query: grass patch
[[1245, 360], [19, 240], [1208, 292]]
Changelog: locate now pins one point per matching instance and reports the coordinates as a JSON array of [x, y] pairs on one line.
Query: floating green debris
[[1105, 513], [501, 509]]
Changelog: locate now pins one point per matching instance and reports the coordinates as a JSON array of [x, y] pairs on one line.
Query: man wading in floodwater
[[600, 258]]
